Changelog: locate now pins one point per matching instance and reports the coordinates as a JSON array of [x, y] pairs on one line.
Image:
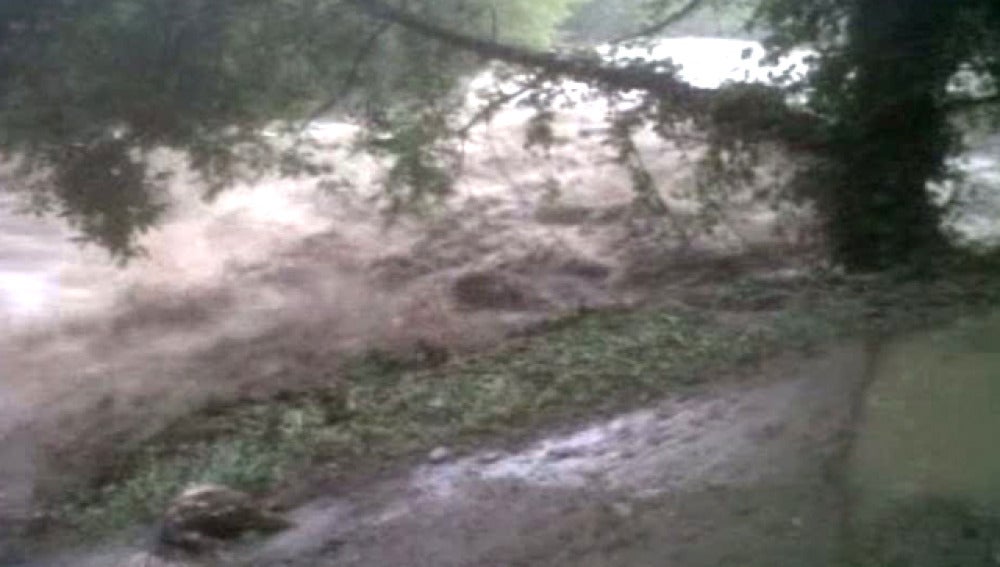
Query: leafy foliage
[[882, 86], [90, 90], [598, 20]]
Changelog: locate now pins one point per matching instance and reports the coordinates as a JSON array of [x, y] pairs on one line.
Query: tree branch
[[664, 84], [493, 106], [663, 24], [797, 129], [352, 76], [959, 104]]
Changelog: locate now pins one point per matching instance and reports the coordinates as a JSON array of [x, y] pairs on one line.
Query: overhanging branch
[[797, 129], [494, 105], [663, 84], [960, 104], [683, 12], [353, 75]]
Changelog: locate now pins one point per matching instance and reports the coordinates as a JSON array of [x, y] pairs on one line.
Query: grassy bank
[[382, 409]]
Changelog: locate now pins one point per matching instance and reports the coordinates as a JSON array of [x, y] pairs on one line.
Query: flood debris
[[206, 515]]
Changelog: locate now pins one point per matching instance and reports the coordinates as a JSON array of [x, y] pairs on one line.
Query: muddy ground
[[739, 474], [864, 454]]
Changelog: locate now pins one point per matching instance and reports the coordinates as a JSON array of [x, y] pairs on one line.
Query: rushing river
[[44, 276]]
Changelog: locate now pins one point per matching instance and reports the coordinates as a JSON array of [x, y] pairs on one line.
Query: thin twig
[[556, 64], [663, 24], [353, 75], [495, 105], [958, 104]]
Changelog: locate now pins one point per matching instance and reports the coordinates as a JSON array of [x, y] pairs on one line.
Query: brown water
[[42, 276]]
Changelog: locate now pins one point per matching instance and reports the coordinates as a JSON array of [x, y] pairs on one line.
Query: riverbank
[[383, 412], [764, 421]]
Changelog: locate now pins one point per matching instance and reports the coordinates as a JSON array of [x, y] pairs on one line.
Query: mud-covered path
[[16, 471], [812, 459], [743, 475], [851, 455]]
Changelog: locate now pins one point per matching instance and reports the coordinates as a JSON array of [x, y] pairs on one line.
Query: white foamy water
[[977, 217], [709, 63], [46, 276], [27, 293]]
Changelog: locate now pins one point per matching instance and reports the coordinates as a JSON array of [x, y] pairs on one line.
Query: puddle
[[642, 448]]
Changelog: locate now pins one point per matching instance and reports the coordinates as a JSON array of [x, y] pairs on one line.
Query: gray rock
[[440, 455], [203, 516], [563, 453], [494, 290], [623, 510], [490, 458]]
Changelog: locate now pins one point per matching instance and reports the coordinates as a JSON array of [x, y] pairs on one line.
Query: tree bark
[[893, 138]]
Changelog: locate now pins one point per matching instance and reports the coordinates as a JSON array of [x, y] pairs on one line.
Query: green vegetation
[[385, 410], [90, 90], [575, 368], [603, 21], [925, 476], [933, 532], [881, 86], [530, 22], [597, 20]]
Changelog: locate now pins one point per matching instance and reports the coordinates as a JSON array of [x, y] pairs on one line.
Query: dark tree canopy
[[882, 84], [90, 88]]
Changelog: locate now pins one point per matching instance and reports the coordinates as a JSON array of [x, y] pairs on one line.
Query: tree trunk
[[889, 139], [893, 138]]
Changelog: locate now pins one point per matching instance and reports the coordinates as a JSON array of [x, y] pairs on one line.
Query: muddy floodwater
[[45, 277]]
